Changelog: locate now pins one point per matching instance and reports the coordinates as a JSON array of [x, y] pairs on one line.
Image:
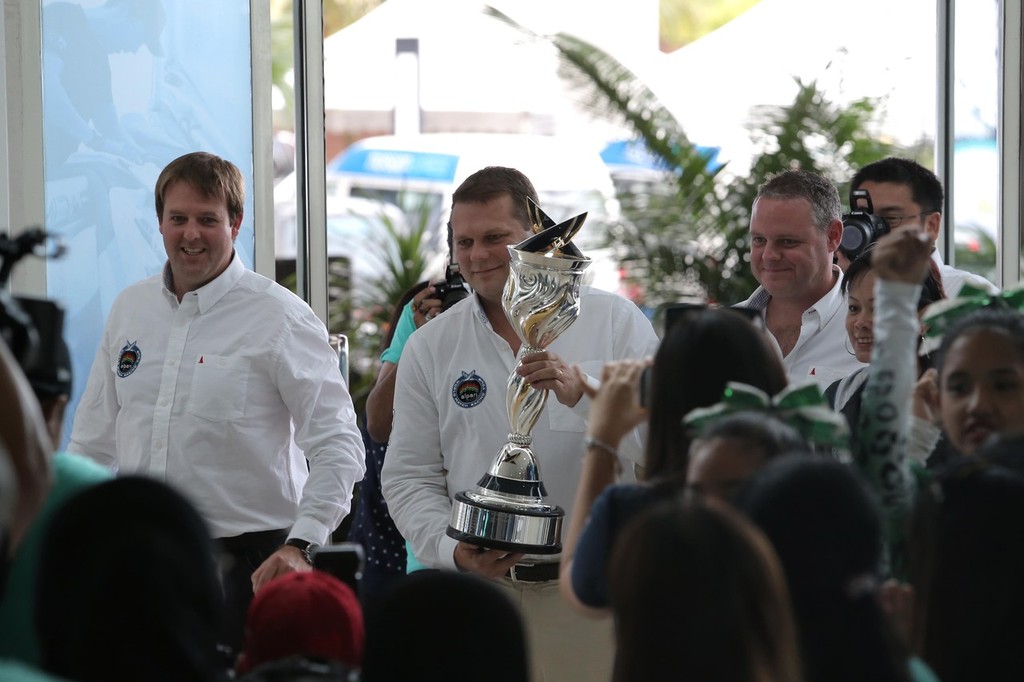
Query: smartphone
[[344, 561], [645, 387]]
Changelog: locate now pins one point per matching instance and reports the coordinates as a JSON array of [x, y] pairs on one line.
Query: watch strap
[[305, 546]]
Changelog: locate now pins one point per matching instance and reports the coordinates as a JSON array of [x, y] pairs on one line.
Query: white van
[[420, 172]]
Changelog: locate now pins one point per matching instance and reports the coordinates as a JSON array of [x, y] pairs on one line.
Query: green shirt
[[71, 474]]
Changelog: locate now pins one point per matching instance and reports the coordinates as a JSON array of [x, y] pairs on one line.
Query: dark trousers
[[241, 556]]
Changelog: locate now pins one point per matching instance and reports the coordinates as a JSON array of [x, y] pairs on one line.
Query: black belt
[[245, 541], [533, 573]]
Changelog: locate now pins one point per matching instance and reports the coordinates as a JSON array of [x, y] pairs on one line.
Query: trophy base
[[495, 524]]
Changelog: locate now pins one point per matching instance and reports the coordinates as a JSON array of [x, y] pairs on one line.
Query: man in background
[[796, 226], [906, 194]]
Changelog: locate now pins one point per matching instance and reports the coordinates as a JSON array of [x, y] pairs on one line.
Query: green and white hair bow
[[803, 407], [940, 316]]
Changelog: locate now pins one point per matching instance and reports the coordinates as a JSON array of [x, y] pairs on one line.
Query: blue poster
[[128, 86]]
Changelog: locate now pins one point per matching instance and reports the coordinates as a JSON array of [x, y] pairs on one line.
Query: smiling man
[[795, 228], [450, 420], [222, 383]]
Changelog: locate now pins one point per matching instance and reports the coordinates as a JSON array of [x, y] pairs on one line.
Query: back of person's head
[[303, 614], [697, 593], [127, 588], [214, 177], [730, 449], [702, 352], [444, 625], [966, 562], [802, 184], [925, 188], [495, 181], [826, 527]]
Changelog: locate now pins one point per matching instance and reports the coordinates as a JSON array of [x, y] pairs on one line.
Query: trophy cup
[[541, 299]]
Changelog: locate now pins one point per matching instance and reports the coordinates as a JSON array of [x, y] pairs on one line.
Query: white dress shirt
[[953, 280], [450, 416], [206, 395], [822, 353]]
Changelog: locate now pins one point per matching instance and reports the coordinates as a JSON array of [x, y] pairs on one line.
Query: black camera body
[[453, 289], [861, 227], [31, 327]]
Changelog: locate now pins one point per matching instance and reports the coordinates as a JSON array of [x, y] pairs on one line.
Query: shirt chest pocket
[[219, 388]]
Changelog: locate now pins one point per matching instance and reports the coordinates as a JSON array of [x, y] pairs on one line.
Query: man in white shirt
[[450, 420], [906, 194], [204, 374], [795, 228]]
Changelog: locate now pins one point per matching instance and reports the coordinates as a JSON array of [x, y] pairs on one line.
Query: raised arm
[[614, 412], [901, 262]]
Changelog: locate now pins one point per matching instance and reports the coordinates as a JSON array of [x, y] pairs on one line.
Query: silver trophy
[[541, 299]]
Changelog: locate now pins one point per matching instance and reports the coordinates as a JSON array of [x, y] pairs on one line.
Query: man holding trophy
[[471, 410]]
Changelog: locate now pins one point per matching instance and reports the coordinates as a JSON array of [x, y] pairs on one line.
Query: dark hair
[[446, 621], [697, 593], [826, 527], [931, 287], [155, 617], [801, 184], [762, 431], [994, 319], [925, 188], [700, 354], [966, 562], [495, 181], [208, 174]]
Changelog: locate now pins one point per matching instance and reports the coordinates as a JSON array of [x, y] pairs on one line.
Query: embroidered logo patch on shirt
[[128, 360], [469, 389]]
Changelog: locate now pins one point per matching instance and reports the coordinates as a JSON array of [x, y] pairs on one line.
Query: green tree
[[687, 236], [363, 314]]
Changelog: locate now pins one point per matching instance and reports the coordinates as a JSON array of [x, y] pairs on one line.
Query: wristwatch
[[305, 546]]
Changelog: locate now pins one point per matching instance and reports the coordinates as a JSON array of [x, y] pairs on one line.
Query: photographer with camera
[[795, 229], [428, 300], [451, 418], [899, 194]]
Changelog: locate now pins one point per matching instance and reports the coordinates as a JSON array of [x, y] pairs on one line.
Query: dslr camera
[[33, 328], [861, 227], [453, 289]]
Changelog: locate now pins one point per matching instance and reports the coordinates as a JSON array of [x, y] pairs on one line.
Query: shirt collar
[[824, 307], [827, 306], [212, 291]]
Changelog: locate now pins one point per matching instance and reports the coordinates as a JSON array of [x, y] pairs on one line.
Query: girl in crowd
[[729, 450], [979, 370], [698, 594], [966, 561], [826, 527], [699, 355], [859, 288]]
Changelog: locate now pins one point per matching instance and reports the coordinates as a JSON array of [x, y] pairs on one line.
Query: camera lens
[[855, 237]]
